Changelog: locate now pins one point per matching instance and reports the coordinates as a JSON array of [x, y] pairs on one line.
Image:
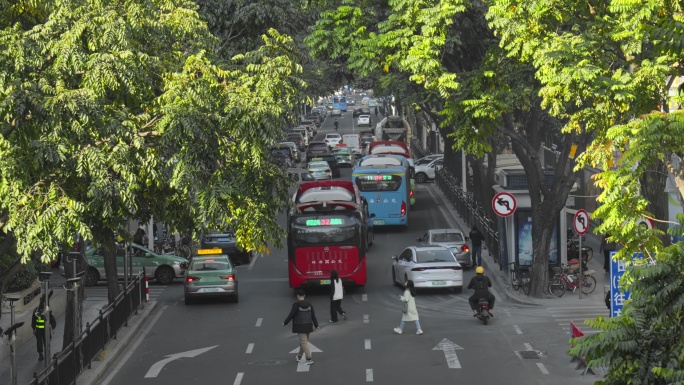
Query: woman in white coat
[[411, 313]]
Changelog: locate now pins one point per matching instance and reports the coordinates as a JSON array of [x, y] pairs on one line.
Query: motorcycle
[[483, 310]]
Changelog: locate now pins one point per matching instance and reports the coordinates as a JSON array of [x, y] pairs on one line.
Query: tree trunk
[[73, 316], [110, 255], [653, 189]]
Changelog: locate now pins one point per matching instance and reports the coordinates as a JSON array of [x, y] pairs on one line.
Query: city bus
[[340, 102], [387, 189], [326, 236]]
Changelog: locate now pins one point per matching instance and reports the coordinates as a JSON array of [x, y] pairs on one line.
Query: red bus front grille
[[316, 262]]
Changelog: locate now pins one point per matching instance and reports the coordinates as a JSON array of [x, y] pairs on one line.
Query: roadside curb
[[117, 346]]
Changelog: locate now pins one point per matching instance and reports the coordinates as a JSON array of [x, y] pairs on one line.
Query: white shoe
[[397, 330], [419, 332]]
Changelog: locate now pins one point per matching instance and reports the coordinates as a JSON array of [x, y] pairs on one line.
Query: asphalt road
[[247, 344]]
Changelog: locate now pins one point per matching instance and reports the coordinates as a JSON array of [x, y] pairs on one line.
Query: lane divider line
[[364, 297], [367, 344], [542, 368], [250, 348], [366, 318], [258, 323], [528, 346], [238, 379], [517, 329], [369, 375]]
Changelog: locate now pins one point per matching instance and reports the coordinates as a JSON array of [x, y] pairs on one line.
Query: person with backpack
[[481, 284], [304, 322]]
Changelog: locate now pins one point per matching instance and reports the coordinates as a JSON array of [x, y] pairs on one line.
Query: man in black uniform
[[38, 326], [481, 284]]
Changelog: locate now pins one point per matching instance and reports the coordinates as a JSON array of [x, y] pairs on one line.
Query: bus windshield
[[379, 182], [324, 230]]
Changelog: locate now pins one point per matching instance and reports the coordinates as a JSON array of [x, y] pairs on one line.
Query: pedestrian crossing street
[[578, 314], [99, 292]]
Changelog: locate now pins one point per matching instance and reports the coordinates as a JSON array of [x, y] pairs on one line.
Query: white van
[[352, 141]]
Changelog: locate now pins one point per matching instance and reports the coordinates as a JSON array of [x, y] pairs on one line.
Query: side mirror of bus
[[372, 216]]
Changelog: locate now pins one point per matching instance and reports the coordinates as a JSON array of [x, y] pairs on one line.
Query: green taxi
[[210, 275], [164, 268]]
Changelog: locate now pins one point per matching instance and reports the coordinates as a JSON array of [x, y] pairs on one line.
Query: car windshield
[[447, 237], [318, 146], [427, 256], [318, 165], [424, 161], [208, 264]]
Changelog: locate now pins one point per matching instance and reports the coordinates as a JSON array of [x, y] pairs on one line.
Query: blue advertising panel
[[617, 295], [524, 245]]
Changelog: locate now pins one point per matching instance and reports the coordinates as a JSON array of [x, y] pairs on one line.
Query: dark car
[[317, 149], [297, 139], [332, 162], [314, 118], [225, 240], [282, 160], [361, 111]]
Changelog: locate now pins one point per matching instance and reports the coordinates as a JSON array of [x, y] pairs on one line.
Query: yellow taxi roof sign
[[213, 251]]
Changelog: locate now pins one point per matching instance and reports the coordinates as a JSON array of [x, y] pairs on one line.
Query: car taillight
[[464, 249], [411, 193], [192, 279], [403, 208], [418, 269], [229, 277], [328, 171]]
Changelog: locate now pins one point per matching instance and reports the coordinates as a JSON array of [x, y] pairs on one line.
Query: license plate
[[210, 290], [379, 222], [325, 282], [438, 283]]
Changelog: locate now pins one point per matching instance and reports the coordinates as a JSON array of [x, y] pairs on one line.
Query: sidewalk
[[27, 356], [500, 278]]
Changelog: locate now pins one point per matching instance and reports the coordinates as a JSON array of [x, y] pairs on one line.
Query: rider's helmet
[[479, 270]]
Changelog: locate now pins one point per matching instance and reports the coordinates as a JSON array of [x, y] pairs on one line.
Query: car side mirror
[[394, 257], [148, 255], [419, 239], [372, 216], [467, 239]]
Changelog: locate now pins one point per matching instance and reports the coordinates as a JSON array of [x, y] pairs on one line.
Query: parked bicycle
[[520, 277], [563, 281]]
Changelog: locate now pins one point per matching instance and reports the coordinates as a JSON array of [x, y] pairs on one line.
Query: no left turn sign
[[504, 204], [581, 222]]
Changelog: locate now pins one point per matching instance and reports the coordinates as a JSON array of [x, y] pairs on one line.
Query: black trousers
[[473, 301], [335, 307], [606, 260], [40, 340]]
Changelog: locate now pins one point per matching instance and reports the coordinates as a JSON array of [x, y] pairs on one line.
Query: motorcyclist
[[481, 284], [336, 124]]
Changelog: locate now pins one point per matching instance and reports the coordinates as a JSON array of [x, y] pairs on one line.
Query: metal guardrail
[[469, 209], [78, 356]]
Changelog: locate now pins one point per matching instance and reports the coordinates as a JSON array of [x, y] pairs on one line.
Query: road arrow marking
[[301, 364], [157, 367], [449, 348]]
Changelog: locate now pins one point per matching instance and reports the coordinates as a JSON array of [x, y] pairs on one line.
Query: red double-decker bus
[[326, 236]]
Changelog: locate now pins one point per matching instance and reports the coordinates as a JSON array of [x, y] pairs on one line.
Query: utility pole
[[73, 286], [11, 335]]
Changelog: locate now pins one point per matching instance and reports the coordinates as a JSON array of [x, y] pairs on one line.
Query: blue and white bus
[[340, 103], [387, 190]]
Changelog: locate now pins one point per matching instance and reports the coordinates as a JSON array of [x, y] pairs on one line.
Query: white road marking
[[366, 318], [159, 365], [369, 375], [254, 259], [238, 379], [542, 368], [508, 313], [449, 348], [133, 348], [367, 344], [258, 323], [250, 347], [527, 346], [364, 297], [302, 366], [517, 329]]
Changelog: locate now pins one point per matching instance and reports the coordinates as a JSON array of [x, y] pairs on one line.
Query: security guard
[[38, 325]]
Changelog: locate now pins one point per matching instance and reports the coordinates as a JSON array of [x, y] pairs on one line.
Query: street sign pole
[[580, 267], [581, 225]]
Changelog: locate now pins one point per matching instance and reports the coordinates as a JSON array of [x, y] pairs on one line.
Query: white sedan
[[333, 139], [320, 170], [427, 267], [336, 112], [425, 172], [363, 120]]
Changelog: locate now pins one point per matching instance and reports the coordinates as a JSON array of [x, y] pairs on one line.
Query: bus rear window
[[324, 235], [378, 182]]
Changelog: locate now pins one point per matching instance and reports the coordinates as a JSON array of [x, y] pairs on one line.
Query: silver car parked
[[453, 239]]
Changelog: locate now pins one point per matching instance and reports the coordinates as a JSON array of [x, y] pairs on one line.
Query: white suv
[[333, 139], [364, 120], [425, 172]]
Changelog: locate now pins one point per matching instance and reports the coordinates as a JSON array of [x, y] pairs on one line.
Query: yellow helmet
[[479, 270]]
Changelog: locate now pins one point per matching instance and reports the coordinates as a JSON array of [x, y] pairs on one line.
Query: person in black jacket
[[476, 239], [481, 284], [38, 326], [304, 321]]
